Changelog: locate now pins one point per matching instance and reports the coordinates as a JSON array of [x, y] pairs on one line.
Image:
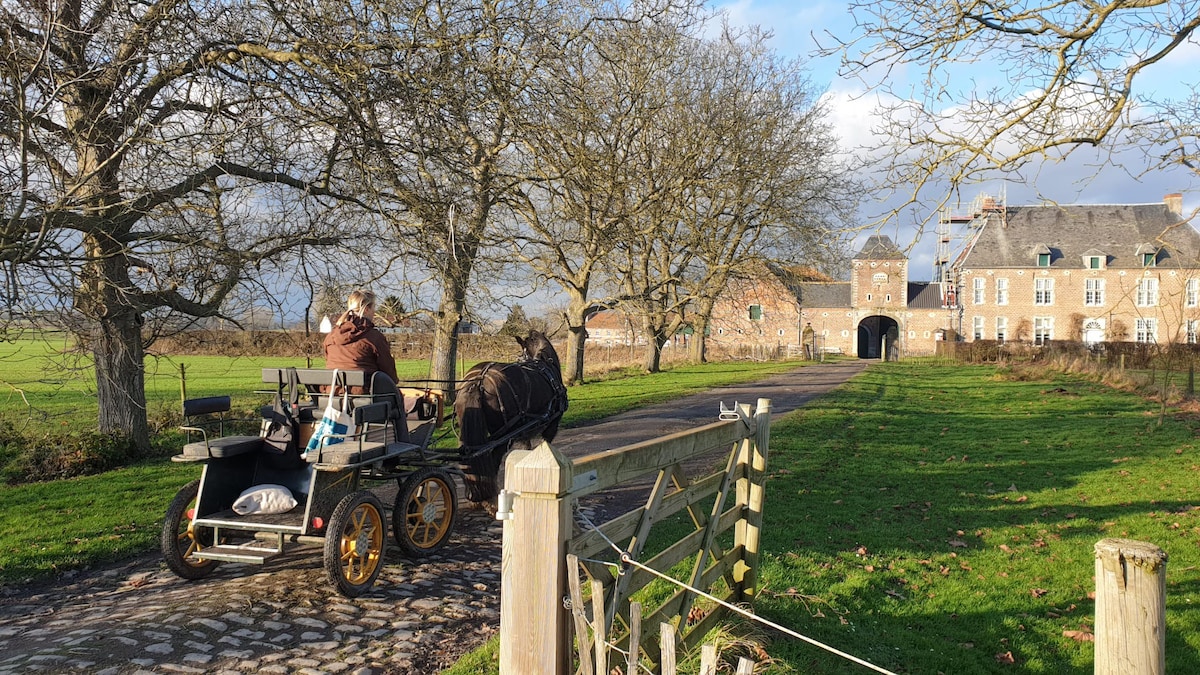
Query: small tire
[[424, 512], [180, 538], [355, 543]]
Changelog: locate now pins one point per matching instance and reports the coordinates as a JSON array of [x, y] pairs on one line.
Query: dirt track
[[137, 617]]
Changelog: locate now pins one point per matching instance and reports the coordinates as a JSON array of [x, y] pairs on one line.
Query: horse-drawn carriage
[[252, 502]]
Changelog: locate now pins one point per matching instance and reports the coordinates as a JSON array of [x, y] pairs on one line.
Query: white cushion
[[265, 498]]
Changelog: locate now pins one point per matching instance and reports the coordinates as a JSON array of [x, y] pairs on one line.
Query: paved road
[[137, 617]]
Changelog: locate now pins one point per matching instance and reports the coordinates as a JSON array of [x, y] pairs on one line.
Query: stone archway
[[878, 336]]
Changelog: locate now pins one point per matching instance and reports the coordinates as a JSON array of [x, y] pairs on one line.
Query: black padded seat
[[341, 454], [226, 446]]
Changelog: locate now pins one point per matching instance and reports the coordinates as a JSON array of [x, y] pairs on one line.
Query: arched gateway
[[878, 337]]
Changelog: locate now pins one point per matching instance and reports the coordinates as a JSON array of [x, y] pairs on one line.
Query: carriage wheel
[[355, 540], [423, 516], [180, 538]]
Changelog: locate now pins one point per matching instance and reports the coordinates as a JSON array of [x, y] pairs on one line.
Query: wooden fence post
[[1131, 608], [534, 635], [751, 492]]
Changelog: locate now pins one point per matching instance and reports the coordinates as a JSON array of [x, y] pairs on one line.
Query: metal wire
[[628, 560]]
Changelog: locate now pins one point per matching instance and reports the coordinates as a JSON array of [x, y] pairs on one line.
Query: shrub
[[29, 459]]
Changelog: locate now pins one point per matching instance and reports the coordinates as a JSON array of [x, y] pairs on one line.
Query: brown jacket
[[355, 344]]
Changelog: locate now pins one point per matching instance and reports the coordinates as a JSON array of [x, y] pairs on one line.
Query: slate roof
[[1069, 232], [924, 295], [815, 294], [879, 247]]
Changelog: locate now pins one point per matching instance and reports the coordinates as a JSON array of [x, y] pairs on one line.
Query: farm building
[[1083, 273]]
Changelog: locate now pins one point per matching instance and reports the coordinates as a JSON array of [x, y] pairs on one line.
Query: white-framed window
[[1093, 292], [756, 312], [1043, 329], [1002, 291], [1147, 330], [1147, 292], [1095, 262], [977, 327], [1191, 293], [1149, 259], [1043, 291], [1043, 260], [1001, 328], [1193, 329], [977, 288]]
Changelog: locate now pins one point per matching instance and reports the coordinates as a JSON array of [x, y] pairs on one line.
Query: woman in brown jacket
[[355, 343]]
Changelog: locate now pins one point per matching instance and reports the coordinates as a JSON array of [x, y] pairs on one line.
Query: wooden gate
[[682, 472]]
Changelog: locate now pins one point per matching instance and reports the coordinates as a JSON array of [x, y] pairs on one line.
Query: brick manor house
[[1087, 273]]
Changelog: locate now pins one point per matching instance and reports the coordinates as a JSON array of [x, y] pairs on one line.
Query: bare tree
[[1060, 76], [143, 171], [600, 101], [432, 104], [738, 159], [775, 188]]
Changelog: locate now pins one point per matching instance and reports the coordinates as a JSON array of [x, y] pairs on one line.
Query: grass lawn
[[942, 519], [41, 385], [932, 519], [52, 527]]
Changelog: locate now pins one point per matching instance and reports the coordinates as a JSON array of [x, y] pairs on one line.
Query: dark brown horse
[[499, 404]]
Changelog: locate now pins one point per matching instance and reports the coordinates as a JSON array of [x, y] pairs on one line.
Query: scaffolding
[[956, 224]]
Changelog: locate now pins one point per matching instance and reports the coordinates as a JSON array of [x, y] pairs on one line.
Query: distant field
[[43, 383]]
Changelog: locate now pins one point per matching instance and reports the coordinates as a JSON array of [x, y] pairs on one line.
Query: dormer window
[[1095, 260], [1147, 254], [1043, 255]]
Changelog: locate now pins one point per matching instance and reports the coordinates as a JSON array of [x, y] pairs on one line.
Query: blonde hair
[[359, 300]]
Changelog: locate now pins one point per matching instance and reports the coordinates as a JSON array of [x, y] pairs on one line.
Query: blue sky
[[1075, 181]]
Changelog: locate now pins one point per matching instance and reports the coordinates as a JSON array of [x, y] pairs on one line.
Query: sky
[[798, 25]]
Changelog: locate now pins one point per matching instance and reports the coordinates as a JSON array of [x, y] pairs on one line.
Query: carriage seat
[[361, 446], [207, 417]]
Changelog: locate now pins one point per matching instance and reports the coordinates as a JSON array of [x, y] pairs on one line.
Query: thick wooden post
[[1131, 607], [534, 635], [751, 493]]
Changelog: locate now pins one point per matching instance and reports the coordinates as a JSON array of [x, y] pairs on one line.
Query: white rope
[[628, 560]]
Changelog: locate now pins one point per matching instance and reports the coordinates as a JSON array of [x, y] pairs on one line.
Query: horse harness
[[521, 419]]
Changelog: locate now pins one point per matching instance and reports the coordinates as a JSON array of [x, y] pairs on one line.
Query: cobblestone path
[[281, 617]]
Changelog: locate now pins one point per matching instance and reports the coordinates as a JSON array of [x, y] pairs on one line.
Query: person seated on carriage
[[356, 344]]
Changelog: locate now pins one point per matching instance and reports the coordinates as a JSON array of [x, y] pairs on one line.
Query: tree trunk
[[576, 340], [655, 339], [699, 344], [121, 378], [445, 340], [701, 320]]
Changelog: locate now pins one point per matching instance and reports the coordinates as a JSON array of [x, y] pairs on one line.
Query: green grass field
[[942, 519], [53, 527], [43, 384]]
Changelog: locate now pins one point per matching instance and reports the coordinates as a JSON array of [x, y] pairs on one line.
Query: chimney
[[1174, 202]]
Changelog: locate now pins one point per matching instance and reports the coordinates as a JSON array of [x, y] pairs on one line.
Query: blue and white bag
[[336, 423]]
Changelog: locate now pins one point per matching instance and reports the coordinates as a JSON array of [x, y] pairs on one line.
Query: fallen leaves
[[1080, 635], [1005, 658]]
